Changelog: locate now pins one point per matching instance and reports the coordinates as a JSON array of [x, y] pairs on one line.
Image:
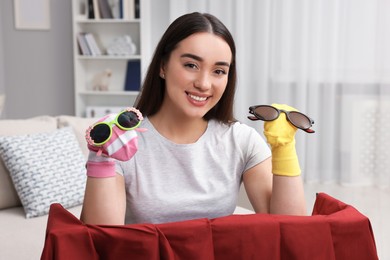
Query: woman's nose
[[203, 82]]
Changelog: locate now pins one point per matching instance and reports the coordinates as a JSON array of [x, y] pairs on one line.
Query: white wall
[[2, 88], [36, 69], [160, 20], [38, 72]]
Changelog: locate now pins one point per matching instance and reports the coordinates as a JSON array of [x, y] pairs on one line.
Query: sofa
[[35, 155], [22, 236]]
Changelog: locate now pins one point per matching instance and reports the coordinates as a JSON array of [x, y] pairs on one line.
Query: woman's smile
[[197, 99]]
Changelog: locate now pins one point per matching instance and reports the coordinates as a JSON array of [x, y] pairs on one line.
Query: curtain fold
[[329, 59]]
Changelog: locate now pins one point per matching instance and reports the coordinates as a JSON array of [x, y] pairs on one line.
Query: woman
[[194, 156]]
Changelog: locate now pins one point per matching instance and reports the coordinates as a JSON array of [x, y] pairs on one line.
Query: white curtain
[[328, 58]]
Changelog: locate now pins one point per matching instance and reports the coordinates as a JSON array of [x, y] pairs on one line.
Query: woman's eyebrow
[[195, 57]]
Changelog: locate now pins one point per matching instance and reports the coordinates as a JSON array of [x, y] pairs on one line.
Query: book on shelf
[[105, 9], [121, 9], [83, 45], [128, 9], [113, 9], [92, 44], [133, 75], [96, 9], [137, 7], [90, 10]]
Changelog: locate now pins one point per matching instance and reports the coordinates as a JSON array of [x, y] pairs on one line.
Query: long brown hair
[[152, 93]]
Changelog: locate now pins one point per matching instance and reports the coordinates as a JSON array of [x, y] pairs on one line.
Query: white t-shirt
[[168, 182]]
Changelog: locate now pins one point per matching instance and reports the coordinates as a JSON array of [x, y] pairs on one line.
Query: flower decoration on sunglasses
[[101, 132], [270, 113]]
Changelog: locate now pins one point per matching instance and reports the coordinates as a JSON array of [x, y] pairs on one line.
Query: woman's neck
[[180, 130]]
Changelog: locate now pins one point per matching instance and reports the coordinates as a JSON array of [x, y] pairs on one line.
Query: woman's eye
[[220, 72], [190, 65]]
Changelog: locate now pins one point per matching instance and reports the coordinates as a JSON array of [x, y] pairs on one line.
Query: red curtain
[[334, 231]]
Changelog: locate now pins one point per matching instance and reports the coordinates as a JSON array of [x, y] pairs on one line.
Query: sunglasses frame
[[259, 117], [109, 124]]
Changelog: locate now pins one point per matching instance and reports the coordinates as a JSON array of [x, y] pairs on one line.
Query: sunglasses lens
[[299, 120], [128, 119], [100, 133], [266, 113]]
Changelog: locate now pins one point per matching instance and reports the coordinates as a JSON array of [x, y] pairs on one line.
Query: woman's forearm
[[104, 201], [288, 196]]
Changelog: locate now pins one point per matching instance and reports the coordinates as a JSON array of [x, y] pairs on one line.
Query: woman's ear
[[162, 72]]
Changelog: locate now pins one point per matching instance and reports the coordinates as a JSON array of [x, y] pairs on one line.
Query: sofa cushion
[[23, 238], [8, 195], [79, 125], [45, 168]]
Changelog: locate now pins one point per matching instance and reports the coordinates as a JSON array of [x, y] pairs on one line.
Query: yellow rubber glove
[[280, 134]]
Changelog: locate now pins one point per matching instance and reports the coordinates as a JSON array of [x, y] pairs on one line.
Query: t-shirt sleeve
[[254, 147], [118, 167]]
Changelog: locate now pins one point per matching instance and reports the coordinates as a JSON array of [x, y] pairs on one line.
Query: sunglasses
[[101, 132], [270, 113]]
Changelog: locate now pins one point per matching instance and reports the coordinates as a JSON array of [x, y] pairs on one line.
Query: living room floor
[[373, 202]]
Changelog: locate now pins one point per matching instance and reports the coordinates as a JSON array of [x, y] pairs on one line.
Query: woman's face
[[196, 74]]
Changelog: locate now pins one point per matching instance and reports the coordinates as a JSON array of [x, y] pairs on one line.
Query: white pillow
[[41, 124], [79, 126], [45, 168]]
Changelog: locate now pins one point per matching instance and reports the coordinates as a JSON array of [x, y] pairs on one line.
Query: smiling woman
[[194, 157]]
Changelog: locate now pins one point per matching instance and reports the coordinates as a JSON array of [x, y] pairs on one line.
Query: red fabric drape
[[334, 231]]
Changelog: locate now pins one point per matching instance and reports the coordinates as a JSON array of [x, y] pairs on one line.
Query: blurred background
[[328, 58]]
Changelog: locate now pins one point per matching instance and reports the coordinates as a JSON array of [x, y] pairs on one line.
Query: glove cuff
[[102, 169], [285, 160]]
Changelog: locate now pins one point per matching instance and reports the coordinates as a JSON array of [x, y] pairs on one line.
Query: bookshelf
[[99, 79]]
